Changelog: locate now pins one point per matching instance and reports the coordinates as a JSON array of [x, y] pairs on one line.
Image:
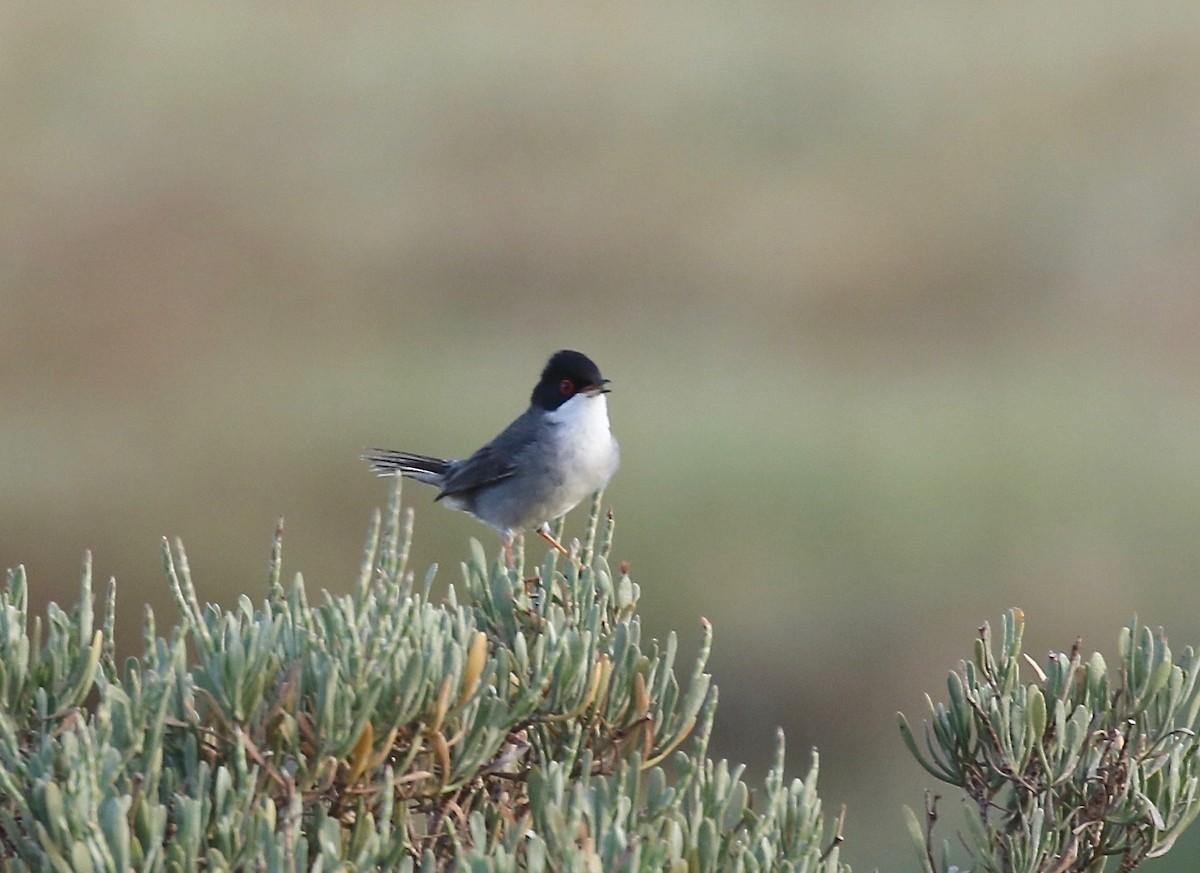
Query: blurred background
[[899, 302]]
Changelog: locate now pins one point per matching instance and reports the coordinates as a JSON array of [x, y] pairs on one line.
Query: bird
[[552, 456]]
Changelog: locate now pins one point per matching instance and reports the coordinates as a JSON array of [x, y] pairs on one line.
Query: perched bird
[[557, 452]]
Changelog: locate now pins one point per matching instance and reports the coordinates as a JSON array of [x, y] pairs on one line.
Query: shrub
[[525, 725], [1069, 771]]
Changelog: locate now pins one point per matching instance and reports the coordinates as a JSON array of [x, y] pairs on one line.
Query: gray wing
[[499, 459]]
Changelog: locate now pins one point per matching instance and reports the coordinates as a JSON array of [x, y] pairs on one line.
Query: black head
[[567, 373]]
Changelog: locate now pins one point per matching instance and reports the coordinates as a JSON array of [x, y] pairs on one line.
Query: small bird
[[557, 452]]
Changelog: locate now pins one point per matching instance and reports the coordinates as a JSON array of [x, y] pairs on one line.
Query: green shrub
[[1072, 770], [525, 726]]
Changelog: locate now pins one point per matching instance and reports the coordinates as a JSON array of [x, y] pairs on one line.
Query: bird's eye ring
[[566, 386]]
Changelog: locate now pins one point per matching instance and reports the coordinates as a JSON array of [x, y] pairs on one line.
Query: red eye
[[566, 386]]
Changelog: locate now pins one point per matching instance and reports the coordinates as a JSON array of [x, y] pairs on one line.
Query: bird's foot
[[544, 533]]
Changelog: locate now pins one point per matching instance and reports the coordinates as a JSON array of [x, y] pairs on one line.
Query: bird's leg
[[544, 533], [510, 559]]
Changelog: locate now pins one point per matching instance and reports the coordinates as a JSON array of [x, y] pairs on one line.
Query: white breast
[[586, 448]]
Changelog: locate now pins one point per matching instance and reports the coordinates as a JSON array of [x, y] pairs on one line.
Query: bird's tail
[[420, 467]]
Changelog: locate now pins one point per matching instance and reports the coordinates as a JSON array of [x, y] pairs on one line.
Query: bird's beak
[[599, 388]]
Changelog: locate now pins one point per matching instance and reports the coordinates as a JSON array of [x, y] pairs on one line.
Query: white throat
[[582, 418]]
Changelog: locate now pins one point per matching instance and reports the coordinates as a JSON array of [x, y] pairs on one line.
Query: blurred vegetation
[[899, 305]]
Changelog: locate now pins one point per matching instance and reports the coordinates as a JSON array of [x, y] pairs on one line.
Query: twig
[[838, 837]]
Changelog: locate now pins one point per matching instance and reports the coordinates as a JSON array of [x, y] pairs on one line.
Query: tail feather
[[423, 468]]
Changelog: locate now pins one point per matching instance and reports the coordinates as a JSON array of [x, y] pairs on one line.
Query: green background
[[899, 302]]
